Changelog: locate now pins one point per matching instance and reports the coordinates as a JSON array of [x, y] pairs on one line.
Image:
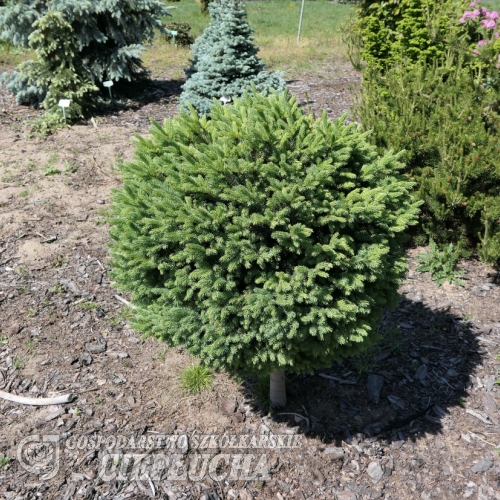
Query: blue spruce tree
[[225, 61], [109, 38]]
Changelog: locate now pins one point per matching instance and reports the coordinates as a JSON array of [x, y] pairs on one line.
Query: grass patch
[[196, 378], [56, 289], [4, 461], [31, 312], [275, 24], [162, 354], [32, 165], [30, 346], [11, 56], [18, 363], [441, 264], [88, 306], [69, 168]]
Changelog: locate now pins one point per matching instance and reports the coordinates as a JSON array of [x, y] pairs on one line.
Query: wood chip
[[339, 380], [478, 416]]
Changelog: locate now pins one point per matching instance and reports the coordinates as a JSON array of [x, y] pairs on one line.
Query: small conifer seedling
[[261, 239]]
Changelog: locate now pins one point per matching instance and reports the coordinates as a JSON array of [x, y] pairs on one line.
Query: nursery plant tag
[[109, 84], [64, 103], [174, 34]]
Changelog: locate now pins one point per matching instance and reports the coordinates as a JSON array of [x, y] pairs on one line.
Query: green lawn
[[274, 18], [491, 4], [275, 24]]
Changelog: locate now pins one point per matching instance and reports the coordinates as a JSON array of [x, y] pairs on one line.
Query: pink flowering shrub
[[482, 29]]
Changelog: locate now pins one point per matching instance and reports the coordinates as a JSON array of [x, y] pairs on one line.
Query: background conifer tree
[[260, 239], [109, 37], [225, 61], [58, 70]]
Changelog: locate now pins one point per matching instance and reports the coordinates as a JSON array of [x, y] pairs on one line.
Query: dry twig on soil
[[56, 400]]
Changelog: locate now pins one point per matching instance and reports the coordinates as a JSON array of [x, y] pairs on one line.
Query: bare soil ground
[[417, 418]]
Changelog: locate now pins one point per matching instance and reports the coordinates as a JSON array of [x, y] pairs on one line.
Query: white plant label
[[109, 84], [64, 103], [174, 34]]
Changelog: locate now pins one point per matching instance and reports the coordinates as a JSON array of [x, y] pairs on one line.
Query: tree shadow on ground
[[138, 94], [422, 368]]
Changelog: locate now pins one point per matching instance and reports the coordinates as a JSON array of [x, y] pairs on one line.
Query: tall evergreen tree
[[225, 61], [109, 37], [260, 239]]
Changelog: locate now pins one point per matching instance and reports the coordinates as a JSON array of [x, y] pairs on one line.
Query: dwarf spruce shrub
[[225, 61], [260, 239], [405, 30]]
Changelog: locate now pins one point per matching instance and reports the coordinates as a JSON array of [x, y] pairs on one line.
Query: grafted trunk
[[278, 388]]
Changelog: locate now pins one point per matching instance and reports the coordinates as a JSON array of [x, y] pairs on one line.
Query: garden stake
[[109, 84], [64, 103], [300, 20]]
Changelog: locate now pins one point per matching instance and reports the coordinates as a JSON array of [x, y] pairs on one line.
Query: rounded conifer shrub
[[260, 239]]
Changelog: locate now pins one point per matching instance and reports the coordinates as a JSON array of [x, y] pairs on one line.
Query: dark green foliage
[[432, 87], [448, 121], [109, 37], [406, 30], [204, 6], [260, 239], [183, 37], [225, 61]]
